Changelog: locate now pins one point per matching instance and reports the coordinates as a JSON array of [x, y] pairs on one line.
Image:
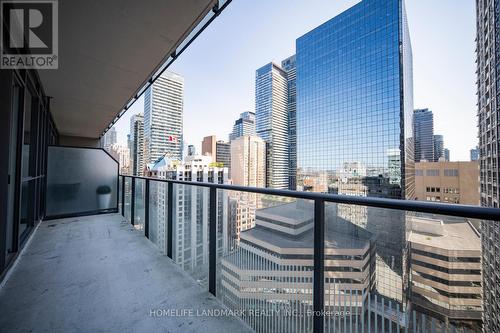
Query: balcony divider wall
[[81, 181]]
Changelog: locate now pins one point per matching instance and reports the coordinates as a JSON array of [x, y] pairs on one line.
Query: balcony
[[305, 261], [96, 273], [84, 248], [120, 253]]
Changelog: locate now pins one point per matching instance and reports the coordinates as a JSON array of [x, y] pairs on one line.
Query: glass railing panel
[[190, 230], [158, 231], [128, 197], [265, 260], [75, 186], [390, 270], [139, 203]]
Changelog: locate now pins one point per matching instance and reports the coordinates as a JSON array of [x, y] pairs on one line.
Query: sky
[[219, 67]]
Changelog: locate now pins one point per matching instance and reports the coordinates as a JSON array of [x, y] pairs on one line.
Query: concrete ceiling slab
[[107, 50]]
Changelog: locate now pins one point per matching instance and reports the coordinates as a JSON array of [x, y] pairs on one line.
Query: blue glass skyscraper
[[354, 124], [423, 130], [354, 97]]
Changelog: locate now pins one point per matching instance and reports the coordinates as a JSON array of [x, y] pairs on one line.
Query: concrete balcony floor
[[97, 274]]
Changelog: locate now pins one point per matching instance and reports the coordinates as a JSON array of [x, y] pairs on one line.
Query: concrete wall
[[78, 141]]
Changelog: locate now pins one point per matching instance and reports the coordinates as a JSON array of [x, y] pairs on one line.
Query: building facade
[[248, 161], [271, 113], [191, 150], [223, 154], [488, 89], [209, 146], [423, 130], [438, 147], [163, 117], [278, 251], [248, 168], [109, 138], [474, 154], [122, 155], [136, 138], [446, 268], [191, 211], [355, 106], [452, 182], [446, 154], [244, 125], [289, 66], [337, 123]]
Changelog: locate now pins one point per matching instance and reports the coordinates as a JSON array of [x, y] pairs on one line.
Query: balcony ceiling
[[107, 50]]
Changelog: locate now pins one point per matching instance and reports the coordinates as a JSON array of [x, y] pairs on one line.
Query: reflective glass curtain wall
[[354, 129]]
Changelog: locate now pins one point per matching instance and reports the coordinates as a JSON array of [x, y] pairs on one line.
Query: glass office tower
[[423, 129], [289, 67], [354, 95], [354, 124], [271, 122]]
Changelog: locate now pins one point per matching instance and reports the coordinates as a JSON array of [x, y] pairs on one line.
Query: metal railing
[[319, 199]]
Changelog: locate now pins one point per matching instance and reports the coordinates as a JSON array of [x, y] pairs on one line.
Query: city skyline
[[436, 85]]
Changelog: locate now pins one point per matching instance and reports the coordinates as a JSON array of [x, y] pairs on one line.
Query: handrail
[[318, 283], [469, 211]]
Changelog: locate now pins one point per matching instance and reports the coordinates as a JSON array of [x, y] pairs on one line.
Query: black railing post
[[319, 266], [132, 202], [212, 242], [146, 209], [170, 219], [123, 195]]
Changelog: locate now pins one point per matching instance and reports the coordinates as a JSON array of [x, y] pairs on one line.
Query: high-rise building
[[254, 274], [289, 66], [474, 154], [271, 113], [137, 144], [209, 146], [244, 125], [488, 58], [223, 154], [163, 114], [109, 138], [452, 182], [423, 130], [354, 105], [446, 153], [446, 268], [438, 147], [218, 150], [122, 155], [248, 161], [190, 248], [346, 111], [248, 168], [191, 150]]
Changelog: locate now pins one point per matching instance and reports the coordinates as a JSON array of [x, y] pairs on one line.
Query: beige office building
[[453, 182], [446, 267], [270, 268], [248, 161], [248, 168]]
